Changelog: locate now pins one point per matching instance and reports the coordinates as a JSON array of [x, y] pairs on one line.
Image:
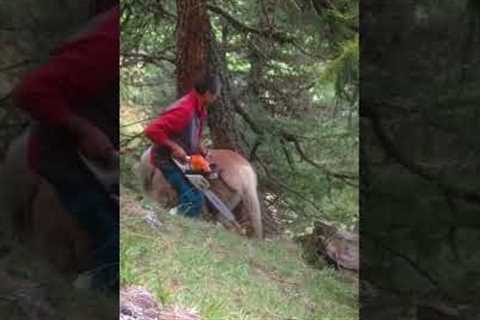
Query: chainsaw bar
[[219, 205], [107, 177], [202, 184]]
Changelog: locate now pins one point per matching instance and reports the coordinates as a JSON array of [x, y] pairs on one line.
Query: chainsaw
[[198, 172], [106, 174]]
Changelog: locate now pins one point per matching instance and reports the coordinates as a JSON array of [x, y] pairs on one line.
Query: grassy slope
[[29, 287], [224, 276]]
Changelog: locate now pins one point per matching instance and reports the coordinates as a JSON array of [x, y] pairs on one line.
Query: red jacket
[[76, 73], [183, 122]]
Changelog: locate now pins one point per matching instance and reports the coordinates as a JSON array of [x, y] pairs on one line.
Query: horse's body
[[36, 215], [237, 180]]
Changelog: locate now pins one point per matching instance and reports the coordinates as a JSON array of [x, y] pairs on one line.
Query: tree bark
[[197, 47], [221, 117], [193, 27]]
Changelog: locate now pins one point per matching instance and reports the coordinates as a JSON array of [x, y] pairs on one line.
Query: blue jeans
[[84, 197], [191, 200]]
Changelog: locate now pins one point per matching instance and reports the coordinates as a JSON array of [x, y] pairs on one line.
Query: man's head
[[207, 87]]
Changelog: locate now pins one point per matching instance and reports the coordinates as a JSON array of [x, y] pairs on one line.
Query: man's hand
[[179, 153], [203, 150], [92, 142]]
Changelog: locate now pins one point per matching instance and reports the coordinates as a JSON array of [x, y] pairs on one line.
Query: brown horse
[[236, 186], [37, 218], [32, 206]]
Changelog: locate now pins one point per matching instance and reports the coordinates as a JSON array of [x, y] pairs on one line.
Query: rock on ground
[[136, 303]]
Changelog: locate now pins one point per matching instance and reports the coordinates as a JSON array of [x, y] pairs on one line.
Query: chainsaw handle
[[182, 167], [110, 163], [107, 174]]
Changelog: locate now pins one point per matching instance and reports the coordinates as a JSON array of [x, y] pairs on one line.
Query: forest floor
[[199, 266], [31, 289]]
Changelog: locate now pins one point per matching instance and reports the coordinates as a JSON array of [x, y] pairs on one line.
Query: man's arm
[[173, 122], [77, 72], [176, 150]]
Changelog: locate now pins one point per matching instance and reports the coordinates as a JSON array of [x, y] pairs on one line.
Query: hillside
[[200, 266]]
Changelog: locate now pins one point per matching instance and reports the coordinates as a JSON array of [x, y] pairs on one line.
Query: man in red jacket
[[178, 132], [74, 100]]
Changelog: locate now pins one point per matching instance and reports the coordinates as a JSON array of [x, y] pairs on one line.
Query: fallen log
[[339, 248]]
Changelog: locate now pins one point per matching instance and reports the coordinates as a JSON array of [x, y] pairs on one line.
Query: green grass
[[224, 276]]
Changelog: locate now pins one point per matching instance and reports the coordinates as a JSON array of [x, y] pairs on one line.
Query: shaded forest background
[[289, 99], [419, 159], [30, 287], [292, 68], [28, 32]]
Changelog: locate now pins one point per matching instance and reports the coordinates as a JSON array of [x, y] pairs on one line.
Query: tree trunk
[[222, 113], [197, 47], [193, 27]]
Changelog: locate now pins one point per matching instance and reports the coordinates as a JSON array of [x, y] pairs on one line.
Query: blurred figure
[[178, 132], [74, 100]]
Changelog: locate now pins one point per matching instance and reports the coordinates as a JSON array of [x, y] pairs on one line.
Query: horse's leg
[[56, 234]]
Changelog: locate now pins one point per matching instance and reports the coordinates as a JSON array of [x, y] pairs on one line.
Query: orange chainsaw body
[[199, 164]]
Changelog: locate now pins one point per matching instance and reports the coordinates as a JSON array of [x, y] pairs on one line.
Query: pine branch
[[131, 138], [346, 178], [149, 58], [164, 12], [270, 34], [296, 193], [321, 5], [391, 150], [16, 65], [420, 270], [6, 97], [287, 154], [137, 122], [253, 152]]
